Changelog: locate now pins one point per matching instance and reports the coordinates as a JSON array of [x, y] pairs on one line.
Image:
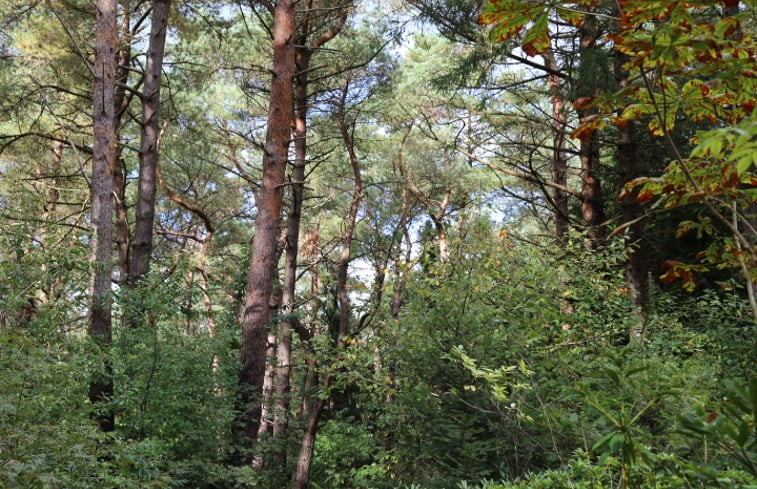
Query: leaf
[[536, 40], [587, 127], [645, 195], [603, 441], [616, 441], [637, 111], [727, 26], [572, 17], [502, 33], [659, 126], [745, 163]]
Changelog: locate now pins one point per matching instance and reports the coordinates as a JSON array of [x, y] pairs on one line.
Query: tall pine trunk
[[284, 344], [269, 202], [121, 103], [303, 54], [141, 251], [104, 153], [305, 457], [591, 188], [559, 163]]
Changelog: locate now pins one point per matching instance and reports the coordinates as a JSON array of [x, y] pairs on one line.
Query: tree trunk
[[121, 102], [99, 329], [559, 163], [266, 404], [591, 188], [148, 149], [591, 194], [349, 225], [305, 457], [284, 345], [399, 284], [122, 221], [303, 54], [269, 201], [636, 265], [51, 195]]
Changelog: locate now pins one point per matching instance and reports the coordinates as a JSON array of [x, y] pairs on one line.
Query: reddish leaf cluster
[[675, 270]]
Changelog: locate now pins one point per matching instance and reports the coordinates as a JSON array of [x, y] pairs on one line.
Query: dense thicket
[[331, 244]]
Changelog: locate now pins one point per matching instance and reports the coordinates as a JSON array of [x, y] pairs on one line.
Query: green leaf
[[536, 40], [604, 441]]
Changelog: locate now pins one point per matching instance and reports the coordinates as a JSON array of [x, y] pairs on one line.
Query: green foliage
[[731, 426], [633, 391], [47, 437], [347, 455], [507, 364]]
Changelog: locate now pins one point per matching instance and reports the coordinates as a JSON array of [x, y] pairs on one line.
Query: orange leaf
[[668, 277], [644, 196], [730, 176], [583, 132], [583, 102], [670, 264]]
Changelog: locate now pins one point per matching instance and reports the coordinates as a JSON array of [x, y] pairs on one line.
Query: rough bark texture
[[121, 102], [148, 150], [636, 265], [269, 201], [303, 54], [284, 345], [591, 188], [99, 329], [559, 164]]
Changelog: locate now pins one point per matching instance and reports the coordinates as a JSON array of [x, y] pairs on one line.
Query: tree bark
[[305, 457], [141, 251], [636, 265], [591, 188], [269, 202], [104, 152], [121, 102], [559, 163], [303, 54], [284, 345]]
